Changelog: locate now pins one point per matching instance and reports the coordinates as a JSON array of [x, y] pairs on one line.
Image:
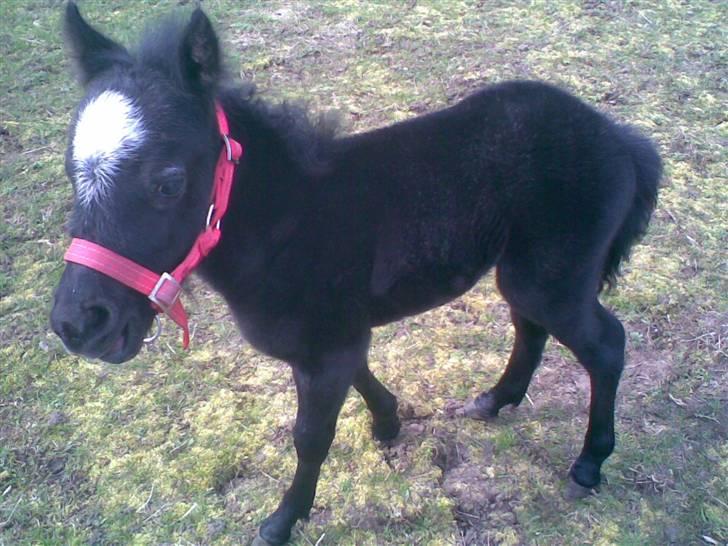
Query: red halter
[[164, 290]]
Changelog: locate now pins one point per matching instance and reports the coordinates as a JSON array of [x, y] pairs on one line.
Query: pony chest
[[281, 337]]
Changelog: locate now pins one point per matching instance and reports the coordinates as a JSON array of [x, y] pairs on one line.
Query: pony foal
[[326, 237]]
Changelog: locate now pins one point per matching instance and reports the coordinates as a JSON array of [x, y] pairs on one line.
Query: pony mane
[[306, 138]]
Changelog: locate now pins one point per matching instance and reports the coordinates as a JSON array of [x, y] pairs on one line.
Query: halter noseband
[[164, 290]]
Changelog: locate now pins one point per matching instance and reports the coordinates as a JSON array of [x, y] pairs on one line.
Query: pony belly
[[420, 291]]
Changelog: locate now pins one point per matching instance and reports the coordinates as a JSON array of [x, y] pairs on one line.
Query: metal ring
[[210, 212], [228, 147], [209, 215], [156, 334]]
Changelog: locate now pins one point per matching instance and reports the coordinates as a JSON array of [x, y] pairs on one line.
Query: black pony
[[328, 237]]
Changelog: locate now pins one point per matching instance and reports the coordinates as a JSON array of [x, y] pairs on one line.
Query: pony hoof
[[575, 491], [260, 541], [386, 431], [482, 408], [276, 528]]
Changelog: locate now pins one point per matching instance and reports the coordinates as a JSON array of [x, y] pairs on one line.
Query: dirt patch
[[481, 512], [560, 382], [9, 142], [483, 507], [650, 482], [449, 454], [398, 452], [645, 371]]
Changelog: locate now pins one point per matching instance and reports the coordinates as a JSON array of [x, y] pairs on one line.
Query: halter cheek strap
[[163, 290]]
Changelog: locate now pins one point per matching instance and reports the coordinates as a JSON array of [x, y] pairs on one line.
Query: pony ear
[[92, 51], [200, 53]]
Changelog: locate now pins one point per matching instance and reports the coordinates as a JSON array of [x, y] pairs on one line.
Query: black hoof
[[260, 541], [575, 491], [274, 531], [386, 430], [482, 408], [586, 472]]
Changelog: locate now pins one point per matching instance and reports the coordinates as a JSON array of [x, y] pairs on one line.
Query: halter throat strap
[[163, 290]]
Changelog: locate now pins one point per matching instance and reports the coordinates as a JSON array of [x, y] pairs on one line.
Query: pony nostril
[[79, 326], [70, 334], [97, 317]]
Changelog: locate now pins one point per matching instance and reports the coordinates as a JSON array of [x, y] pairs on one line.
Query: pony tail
[[648, 171]]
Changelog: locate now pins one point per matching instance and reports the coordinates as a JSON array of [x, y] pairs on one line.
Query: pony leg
[[596, 338], [599, 345], [381, 402], [511, 388], [321, 392], [566, 307]]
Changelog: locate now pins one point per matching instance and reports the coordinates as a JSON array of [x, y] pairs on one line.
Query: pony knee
[[613, 332], [599, 348], [611, 346], [312, 445]]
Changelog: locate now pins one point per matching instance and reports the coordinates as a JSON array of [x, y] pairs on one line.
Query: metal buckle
[[165, 277], [229, 149]]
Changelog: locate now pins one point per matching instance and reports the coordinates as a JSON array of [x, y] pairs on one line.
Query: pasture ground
[[195, 448]]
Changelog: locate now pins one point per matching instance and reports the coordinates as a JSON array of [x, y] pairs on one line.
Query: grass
[[195, 447]]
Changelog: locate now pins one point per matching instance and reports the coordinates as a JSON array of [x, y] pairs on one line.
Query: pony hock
[[326, 236]]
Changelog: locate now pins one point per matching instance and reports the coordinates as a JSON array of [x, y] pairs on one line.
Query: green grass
[[195, 447]]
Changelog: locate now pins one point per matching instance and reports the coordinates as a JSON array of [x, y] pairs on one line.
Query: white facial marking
[[108, 130]]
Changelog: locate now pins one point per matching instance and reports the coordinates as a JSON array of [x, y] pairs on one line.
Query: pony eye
[[170, 184]]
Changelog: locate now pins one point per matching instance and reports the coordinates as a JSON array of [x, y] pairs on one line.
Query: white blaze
[[108, 129]]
